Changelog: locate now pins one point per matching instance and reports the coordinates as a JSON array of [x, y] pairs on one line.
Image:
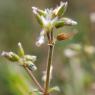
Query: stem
[[34, 79], [49, 62]]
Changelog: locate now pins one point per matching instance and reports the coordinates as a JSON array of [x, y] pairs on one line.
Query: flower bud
[[63, 36], [10, 56], [59, 24], [31, 66], [21, 50], [40, 12], [68, 21], [38, 17], [30, 58], [59, 11], [64, 22]]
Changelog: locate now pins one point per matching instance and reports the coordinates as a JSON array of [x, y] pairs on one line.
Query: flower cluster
[[50, 19], [21, 58]]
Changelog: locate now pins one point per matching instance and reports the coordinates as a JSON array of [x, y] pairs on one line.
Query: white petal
[[63, 3], [40, 41], [34, 10], [69, 21]]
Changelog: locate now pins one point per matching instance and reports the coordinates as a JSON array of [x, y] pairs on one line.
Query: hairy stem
[[34, 79], [49, 62]]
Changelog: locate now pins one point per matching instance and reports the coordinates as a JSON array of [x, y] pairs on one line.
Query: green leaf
[[55, 88]]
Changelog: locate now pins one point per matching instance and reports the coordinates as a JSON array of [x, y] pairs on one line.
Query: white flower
[[50, 19], [40, 41]]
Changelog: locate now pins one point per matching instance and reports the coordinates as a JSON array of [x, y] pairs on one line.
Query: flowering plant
[[48, 20]]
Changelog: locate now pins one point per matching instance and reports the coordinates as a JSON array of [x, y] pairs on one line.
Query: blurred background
[[74, 59]]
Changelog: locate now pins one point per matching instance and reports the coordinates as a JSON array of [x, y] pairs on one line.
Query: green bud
[[30, 58], [64, 22], [59, 24], [10, 56], [38, 17], [21, 50], [59, 11]]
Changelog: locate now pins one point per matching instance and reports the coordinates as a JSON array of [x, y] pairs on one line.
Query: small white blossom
[[34, 10], [40, 41]]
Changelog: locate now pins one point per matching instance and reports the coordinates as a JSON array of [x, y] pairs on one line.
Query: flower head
[[21, 58], [51, 18]]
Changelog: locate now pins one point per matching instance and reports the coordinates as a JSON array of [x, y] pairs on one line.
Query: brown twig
[[34, 79]]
